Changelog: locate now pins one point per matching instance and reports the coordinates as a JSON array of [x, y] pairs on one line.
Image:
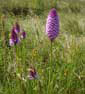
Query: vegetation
[[66, 73]]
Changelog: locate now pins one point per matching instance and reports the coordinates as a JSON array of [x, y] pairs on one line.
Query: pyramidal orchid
[[52, 27], [16, 35], [52, 24]]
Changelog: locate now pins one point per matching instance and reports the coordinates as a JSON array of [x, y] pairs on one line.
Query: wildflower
[[52, 24], [32, 74], [23, 35], [16, 35]]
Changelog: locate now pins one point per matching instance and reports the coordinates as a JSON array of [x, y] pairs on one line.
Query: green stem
[[3, 31], [37, 33], [50, 66], [40, 88], [51, 53], [15, 57], [4, 58]]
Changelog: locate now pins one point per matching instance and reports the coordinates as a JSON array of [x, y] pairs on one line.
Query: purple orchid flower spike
[[52, 25], [14, 35]]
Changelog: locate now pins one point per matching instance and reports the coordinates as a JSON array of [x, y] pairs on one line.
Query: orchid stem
[[15, 58], [51, 53]]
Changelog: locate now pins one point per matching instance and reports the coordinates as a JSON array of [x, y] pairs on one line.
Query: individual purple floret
[[52, 24], [17, 28], [11, 42]]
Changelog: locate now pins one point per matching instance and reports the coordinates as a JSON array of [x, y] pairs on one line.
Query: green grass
[[64, 75]]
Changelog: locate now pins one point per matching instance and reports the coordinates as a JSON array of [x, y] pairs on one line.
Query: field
[[60, 67]]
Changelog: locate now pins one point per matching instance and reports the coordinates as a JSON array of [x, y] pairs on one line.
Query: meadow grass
[[64, 75]]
